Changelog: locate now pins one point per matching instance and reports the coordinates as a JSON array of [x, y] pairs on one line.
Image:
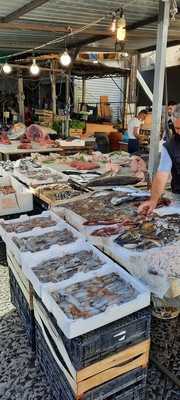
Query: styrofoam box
[[21, 175], [21, 257], [18, 202], [23, 218], [74, 328], [157, 267], [76, 247]]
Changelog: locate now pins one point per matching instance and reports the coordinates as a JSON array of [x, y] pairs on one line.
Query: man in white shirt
[[134, 126]]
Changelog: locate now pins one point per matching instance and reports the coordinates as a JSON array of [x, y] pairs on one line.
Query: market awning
[[24, 24]]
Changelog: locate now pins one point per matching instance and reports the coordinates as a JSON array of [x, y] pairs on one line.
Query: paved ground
[[22, 379]]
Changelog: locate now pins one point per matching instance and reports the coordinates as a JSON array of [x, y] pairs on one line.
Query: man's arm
[[136, 132], [158, 186], [159, 183]]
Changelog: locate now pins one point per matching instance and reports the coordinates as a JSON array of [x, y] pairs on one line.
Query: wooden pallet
[[96, 374]]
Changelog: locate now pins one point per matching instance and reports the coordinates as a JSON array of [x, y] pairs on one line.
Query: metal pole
[[21, 98], [67, 105], [162, 35], [83, 90], [53, 92], [124, 100]]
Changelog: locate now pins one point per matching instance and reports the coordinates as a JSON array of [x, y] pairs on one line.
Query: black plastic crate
[[3, 256], [94, 346], [130, 386], [26, 314]]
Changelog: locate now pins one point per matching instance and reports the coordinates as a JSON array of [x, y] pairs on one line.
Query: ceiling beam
[[143, 22], [147, 21], [170, 43], [86, 41], [23, 10], [24, 25]]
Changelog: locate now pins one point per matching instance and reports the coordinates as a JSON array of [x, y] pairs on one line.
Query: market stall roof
[[28, 23], [89, 70], [78, 69]]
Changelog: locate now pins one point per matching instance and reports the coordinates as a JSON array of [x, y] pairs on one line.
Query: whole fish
[[116, 180], [116, 201], [109, 231]]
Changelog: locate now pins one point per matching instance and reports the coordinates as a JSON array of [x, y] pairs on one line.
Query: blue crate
[[94, 346], [26, 315], [130, 386]]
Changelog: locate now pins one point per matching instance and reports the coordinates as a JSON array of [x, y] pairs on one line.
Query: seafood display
[[5, 190], [109, 230], [81, 178], [25, 226], [44, 241], [55, 193], [38, 176], [82, 165], [89, 298], [61, 268], [104, 211], [154, 232], [111, 208]]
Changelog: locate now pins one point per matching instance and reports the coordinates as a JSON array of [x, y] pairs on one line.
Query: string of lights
[[118, 27]]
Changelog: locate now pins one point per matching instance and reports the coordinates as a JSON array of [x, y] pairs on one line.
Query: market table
[[6, 151], [12, 149]]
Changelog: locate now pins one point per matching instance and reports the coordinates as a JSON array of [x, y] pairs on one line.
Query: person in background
[[169, 164], [27, 115], [134, 126], [169, 124]]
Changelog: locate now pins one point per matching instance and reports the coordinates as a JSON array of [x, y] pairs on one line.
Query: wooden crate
[[93, 376], [75, 132]]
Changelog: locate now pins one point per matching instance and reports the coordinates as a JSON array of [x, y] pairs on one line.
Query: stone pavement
[[22, 379]]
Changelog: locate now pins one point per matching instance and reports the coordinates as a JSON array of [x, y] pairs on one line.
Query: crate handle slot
[[120, 334]]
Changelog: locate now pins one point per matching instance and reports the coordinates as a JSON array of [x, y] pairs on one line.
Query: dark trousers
[[133, 146]]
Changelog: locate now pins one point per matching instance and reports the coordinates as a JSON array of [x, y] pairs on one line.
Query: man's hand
[[147, 207]]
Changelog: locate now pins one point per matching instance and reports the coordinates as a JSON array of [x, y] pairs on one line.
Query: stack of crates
[[107, 363], [21, 293]]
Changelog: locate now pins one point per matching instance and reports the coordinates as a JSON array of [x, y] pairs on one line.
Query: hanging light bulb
[[34, 68], [121, 28], [7, 68], [65, 59]]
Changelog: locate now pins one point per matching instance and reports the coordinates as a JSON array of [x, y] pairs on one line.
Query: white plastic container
[[73, 328], [19, 202]]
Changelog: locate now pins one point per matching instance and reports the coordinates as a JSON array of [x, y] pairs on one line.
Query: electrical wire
[[57, 40], [68, 35]]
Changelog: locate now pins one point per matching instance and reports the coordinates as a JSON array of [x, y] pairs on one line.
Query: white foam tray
[[7, 235], [22, 257], [40, 287], [74, 328], [35, 182], [21, 201]]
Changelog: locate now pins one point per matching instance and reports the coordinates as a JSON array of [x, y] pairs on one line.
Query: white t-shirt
[[133, 123]]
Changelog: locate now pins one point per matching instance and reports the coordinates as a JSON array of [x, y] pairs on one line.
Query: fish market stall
[[88, 317], [147, 248]]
